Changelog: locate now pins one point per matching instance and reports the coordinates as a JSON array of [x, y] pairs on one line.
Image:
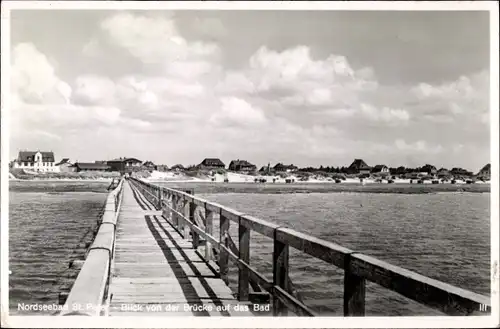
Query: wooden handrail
[[358, 268], [89, 292]]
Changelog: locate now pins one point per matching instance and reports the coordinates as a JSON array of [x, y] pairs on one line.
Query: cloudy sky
[[308, 88]]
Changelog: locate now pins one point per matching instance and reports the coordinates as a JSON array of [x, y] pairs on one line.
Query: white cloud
[[155, 39], [210, 27], [33, 77], [282, 105], [420, 146], [465, 99], [234, 110], [385, 114], [92, 89]]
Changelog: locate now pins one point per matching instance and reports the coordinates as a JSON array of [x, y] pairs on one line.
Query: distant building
[[125, 165], [380, 169], [358, 166], [65, 165], [177, 167], [279, 167], [485, 171], [400, 170], [265, 169], [162, 167], [38, 161], [460, 172], [429, 169], [241, 165], [443, 172], [210, 163], [91, 166], [149, 165]]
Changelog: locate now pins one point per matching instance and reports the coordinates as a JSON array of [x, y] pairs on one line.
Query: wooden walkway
[[157, 272], [140, 264]]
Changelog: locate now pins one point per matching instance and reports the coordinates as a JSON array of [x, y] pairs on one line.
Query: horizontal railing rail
[[89, 293], [181, 209]]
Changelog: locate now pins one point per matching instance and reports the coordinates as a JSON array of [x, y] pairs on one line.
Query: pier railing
[[181, 209], [89, 295]]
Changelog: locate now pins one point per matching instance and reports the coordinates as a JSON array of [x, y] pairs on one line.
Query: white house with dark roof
[[65, 165], [38, 161], [380, 169]]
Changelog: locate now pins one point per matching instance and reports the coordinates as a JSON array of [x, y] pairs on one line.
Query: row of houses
[[40, 161], [244, 165], [360, 167]]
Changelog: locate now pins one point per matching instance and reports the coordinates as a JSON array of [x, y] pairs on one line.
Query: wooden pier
[[156, 254]]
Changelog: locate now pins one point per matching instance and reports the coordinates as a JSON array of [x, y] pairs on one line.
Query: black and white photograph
[[250, 163]]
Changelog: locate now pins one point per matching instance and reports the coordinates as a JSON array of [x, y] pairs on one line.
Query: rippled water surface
[[445, 236], [46, 230]]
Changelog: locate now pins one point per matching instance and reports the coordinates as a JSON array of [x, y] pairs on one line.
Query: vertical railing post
[[159, 198], [209, 228], [165, 210], [354, 291], [223, 256], [175, 206], [244, 255], [185, 226], [192, 213], [280, 274]]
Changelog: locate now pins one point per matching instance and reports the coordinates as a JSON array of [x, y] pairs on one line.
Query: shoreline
[[329, 187], [242, 183], [53, 180]]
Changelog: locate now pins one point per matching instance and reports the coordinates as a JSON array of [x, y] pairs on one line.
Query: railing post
[[354, 291], [192, 212], [223, 256], [159, 198], [244, 255], [280, 274], [175, 206], [185, 226], [209, 228]]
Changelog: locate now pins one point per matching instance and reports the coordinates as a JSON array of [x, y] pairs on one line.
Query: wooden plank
[[187, 213], [290, 302], [131, 270], [244, 255], [280, 275], [258, 225], [438, 295], [154, 264], [231, 214], [209, 227], [223, 256], [354, 292], [321, 249], [192, 213], [104, 238], [90, 284]]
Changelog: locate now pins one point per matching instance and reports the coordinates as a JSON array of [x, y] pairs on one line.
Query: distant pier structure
[[160, 249]]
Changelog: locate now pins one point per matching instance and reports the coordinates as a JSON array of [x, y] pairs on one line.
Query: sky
[[308, 88]]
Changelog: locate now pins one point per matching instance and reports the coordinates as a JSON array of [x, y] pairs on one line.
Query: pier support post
[[223, 256], [280, 274], [209, 228], [354, 291], [244, 255]]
